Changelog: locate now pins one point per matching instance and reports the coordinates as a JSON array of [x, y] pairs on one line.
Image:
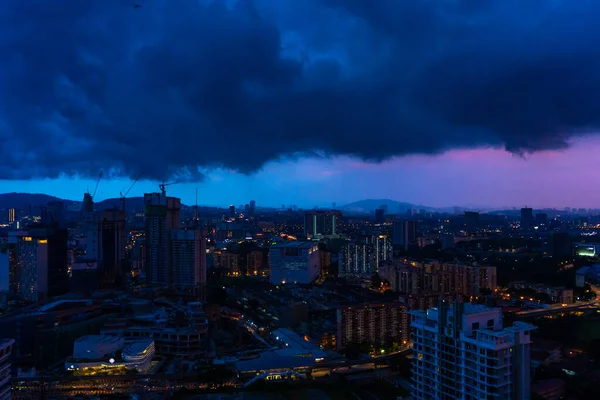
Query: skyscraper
[[114, 240], [462, 351], [57, 240], [321, 222], [173, 212], [252, 209], [56, 214], [157, 239], [11, 216], [527, 219], [380, 215], [28, 268], [404, 234], [93, 236], [188, 260], [364, 257]]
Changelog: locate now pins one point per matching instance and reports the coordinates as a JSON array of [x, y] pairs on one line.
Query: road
[[557, 309]]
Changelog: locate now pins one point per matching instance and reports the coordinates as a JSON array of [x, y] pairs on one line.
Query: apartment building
[[381, 324], [462, 351]]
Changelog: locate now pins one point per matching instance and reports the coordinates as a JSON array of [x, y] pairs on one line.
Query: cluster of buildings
[[438, 278], [460, 349]]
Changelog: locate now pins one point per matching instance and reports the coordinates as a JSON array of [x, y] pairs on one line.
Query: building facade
[[404, 234], [462, 351], [294, 262], [380, 324], [114, 240], [364, 257], [157, 239], [188, 259], [321, 222]]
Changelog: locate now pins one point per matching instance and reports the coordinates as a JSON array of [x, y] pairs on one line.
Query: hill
[[21, 200], [36, 200], [393, 206]]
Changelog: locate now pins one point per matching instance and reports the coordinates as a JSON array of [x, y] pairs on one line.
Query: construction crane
[[163, 187], [124, 196], [97, 183]]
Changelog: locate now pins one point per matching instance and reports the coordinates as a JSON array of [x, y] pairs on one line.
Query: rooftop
[[92, 341], [63, 305], [138, 346], [6, 342], [269, 360], [296, 244]]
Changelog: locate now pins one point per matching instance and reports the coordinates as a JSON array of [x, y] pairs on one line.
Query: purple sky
[[472, 178]]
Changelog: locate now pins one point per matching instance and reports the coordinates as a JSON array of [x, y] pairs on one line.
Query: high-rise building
[[93, 236], [28, 267], [188, 260], [157, 239], [114, 240], [377, 324], [364, 256], [411, 277], [252, 209], [7, 255], [294, 262], [472, 220], [138, 255], [11, 216], [404, 234], [87, 206], [57, 239], [5, 369], [380, 215], [56, 214], [541, 220], [462, 351], [173, 212], [321, 222], [232, 211], [527, 219]]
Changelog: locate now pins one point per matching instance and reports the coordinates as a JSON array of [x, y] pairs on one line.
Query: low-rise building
[[294, 262], [95, 353]]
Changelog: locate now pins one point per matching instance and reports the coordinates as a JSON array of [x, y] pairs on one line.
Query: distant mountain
[[21, 200], [35, 200], [393, 206]]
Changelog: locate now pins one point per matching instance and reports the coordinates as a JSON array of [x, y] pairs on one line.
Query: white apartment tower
[[462, 351]]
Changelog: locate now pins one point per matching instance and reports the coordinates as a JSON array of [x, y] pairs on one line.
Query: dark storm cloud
[[159, 90]]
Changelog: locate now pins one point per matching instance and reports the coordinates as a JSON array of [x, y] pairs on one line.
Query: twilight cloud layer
[[159, 90]]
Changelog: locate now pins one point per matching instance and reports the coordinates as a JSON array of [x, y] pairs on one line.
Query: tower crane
[[124, 196], [97, 183], [163, 187]]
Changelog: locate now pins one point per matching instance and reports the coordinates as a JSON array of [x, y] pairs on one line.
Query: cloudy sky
[[440, 102]]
